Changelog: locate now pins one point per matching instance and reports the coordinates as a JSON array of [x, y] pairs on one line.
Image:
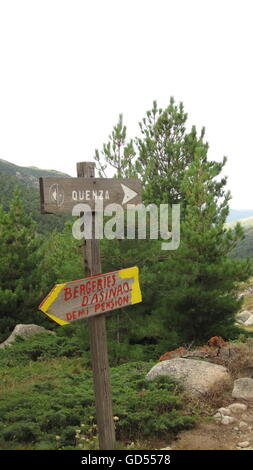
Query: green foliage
[[41, 346], [165, 150], [117, 153], [19, 274], [204, 281], [50, 404], [197, 293], [64, 255], [153, 408], [244, 248], [21, 432]]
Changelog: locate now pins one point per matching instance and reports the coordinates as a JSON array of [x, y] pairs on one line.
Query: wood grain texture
[[60, 195], [98, 339]]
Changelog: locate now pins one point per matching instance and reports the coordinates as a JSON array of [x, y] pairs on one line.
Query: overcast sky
[[68, 68]]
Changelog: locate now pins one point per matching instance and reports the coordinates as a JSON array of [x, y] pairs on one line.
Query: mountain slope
[[244, 248], [27, 180], [29, 174], [245, 223], [238, 214]]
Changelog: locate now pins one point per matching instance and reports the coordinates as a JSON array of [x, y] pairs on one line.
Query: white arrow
[[54, 194], [128, 194]]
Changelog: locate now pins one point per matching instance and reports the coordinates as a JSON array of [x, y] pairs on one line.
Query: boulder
[[198, 377], [243, 444], [243, 316], [224, 411], [227, 420], [243, 388], [24, 331], [249, 322], [243, 425], [237, 407]]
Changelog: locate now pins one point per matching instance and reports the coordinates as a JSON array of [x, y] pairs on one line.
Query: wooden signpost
[[97, 293], [60, 195]]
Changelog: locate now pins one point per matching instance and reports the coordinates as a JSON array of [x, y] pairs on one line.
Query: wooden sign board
[[92, 296], [60, 195]]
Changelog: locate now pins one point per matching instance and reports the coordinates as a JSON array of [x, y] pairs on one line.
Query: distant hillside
[[245, 223], [238, 214], [27, 179], [244, 248], [27, 174]]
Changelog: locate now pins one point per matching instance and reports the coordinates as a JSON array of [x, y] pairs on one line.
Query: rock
[[227, 420], [246, 448], [198, 377], [243, 444], [243, 425], [243, 388], [24, 331], [245, 416], [237, 407], [224, 411], [243, 316], [249, 322], [217, 417]]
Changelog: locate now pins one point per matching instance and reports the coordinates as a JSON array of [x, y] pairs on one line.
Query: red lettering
[[120, 289], [85, 300], [71, 316], [76, 291], [126, 287], [82, 312], [94, 299], [88, 289], [82, 289], [67, 293], [94, 285], [97, 307], [114, 280], [113, 292], [100, 284]]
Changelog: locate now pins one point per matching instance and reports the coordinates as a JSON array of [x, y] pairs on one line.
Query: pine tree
[[202, 288], [117, 154], [165, 151], [19, 276], [189, 294]]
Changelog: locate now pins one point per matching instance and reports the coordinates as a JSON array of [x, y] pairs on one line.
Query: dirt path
[[216, 436]]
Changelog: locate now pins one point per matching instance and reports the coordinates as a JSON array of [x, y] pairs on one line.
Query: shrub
[[22, 432], [64, 402], [39, 346]]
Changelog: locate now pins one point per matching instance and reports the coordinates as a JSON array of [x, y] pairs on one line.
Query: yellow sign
[[92, 296]]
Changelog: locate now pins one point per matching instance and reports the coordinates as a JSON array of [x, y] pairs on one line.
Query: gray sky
[[68, 68]]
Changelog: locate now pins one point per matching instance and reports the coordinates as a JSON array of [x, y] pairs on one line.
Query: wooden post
[[98, 337]]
